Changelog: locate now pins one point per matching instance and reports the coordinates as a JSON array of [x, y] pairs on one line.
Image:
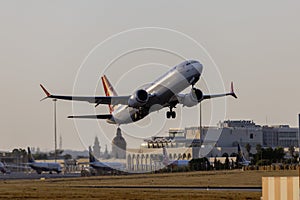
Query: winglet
[[44, 89], [46, 92], [232, 91]]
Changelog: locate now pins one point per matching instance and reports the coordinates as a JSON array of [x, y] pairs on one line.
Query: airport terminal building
[[190, 142]]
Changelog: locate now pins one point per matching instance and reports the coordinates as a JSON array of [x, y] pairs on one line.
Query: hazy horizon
[[255, 44]]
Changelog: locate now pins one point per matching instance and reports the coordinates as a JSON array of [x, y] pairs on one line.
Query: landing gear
[[171, 113]]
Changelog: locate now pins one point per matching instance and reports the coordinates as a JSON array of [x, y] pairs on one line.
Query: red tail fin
[[109, 90]]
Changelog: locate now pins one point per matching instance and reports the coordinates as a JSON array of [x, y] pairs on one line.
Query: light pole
[[200, 130], [200, 116], [299, 141], [55, 130]]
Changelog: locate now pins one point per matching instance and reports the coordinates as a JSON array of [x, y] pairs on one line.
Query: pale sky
[[256, 44]]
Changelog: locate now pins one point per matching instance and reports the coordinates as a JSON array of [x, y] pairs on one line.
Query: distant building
[[119, 146], [106, 154], [238, 123], [191, 142], [96, 148], [238, 131], [282, 135]]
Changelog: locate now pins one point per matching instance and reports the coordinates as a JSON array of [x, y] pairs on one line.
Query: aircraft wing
[[231, 93], [111, 100], [174, 100]]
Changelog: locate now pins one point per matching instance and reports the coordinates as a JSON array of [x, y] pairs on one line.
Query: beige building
[[150, 159]]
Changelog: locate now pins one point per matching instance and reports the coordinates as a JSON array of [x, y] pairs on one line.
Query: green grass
[[68, 188]]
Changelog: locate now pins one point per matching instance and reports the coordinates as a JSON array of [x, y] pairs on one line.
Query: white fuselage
[[111, 165], [245, 162], [44, 166], [163, 89]]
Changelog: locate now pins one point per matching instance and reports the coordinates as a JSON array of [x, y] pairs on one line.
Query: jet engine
[[192, 98], [138, 99]]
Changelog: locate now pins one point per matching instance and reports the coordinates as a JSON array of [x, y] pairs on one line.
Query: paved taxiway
[[248, 189], [21, 175]]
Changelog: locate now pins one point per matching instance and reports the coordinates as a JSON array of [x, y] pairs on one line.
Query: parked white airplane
[[96, 164], [178, 163], [242, 160], [165, 92], [39, 167]]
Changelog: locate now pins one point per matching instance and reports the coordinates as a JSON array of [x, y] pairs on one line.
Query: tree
[[259, 153], [278, 154], [225, 154], [233, 154], [215, 163], [258, 148], [248, 148], [291, 150], [40, 156], [20, 155], [67, 156], [199, 164], [227, 163]]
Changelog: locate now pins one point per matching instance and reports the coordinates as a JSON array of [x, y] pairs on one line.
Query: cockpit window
[[191, 62]]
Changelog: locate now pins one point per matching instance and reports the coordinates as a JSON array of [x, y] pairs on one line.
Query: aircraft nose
[[198, 66]]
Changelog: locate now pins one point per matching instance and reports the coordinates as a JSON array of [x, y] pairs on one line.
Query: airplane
[[3, 168], [39, 167], [177, 163], [242, 160], [97, 165], [165, 92]]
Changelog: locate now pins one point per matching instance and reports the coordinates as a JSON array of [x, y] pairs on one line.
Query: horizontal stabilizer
[[104, 116]]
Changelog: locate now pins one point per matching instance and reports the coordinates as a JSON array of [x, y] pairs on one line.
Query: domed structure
[[119, 146]]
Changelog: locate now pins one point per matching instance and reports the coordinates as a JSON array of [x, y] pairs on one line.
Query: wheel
[[173, 114], [168, 114]]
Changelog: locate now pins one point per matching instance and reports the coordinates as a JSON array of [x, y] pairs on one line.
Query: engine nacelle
[[192, 98], [138, 99]]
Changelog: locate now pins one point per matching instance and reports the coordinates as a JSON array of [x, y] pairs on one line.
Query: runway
[[208, 188], [21, 175]]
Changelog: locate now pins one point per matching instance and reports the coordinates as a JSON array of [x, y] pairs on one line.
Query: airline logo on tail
[[109, 91], [91, 156], [30, 157], [242, 159]]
